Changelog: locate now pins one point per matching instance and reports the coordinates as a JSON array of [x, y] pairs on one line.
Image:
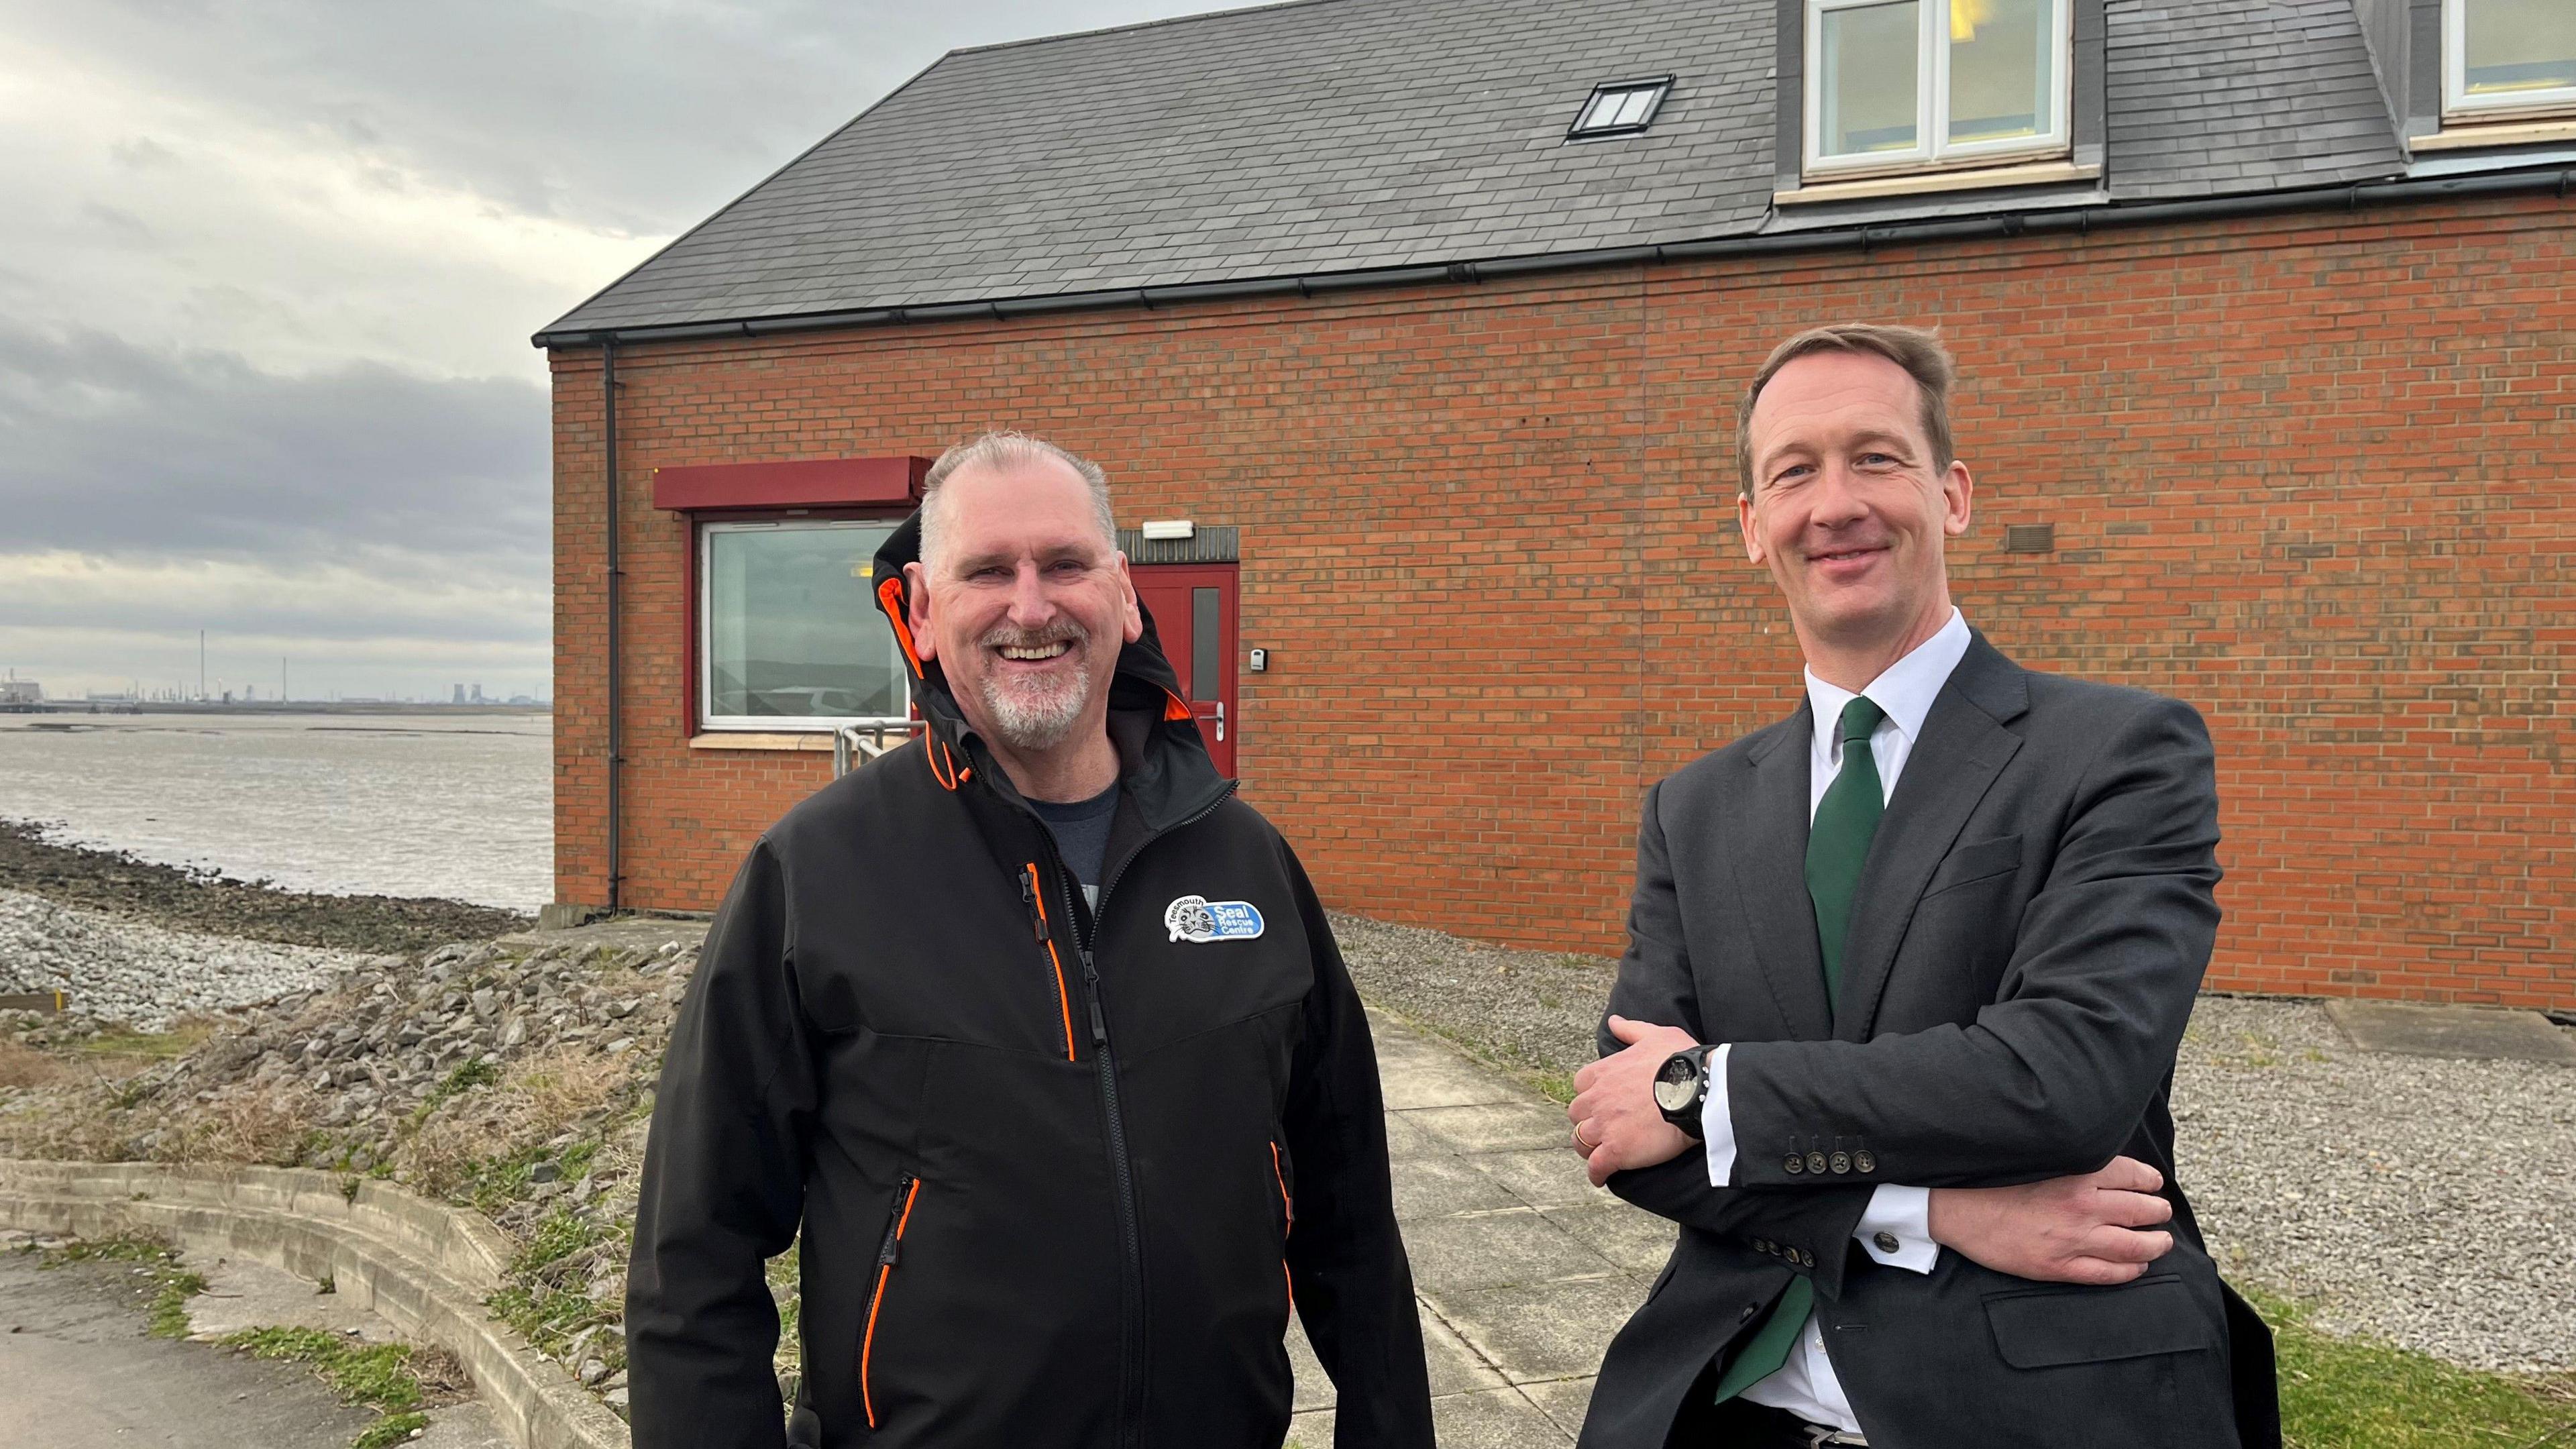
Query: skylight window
[[1621, 108]]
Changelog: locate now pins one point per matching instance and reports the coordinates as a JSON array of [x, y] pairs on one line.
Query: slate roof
[[1328, 136]]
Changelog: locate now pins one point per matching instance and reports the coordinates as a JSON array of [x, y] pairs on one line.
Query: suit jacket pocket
[[1971, 863], [2052, 1327]]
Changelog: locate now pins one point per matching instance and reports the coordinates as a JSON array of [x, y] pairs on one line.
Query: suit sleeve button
[[1749, 1310], [1805, 1258], [1816, 1162], [1842, 1162], [1793, 1164], [1865, 1161], [1886, 1242]]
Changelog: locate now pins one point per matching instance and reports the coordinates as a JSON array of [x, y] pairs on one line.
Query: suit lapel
[[1964, 747], [1770, 853]]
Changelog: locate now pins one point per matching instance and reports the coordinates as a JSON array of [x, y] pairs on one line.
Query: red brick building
[[2264, 315]]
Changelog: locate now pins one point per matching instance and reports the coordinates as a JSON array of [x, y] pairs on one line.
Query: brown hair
[[1916, 350]]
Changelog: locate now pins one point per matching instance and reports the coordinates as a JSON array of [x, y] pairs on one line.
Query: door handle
[[1219, 717]]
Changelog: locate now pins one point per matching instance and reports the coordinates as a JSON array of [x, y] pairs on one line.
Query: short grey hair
[[1006, 449]]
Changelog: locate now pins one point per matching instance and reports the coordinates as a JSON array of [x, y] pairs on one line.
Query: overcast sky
[[268, 270]]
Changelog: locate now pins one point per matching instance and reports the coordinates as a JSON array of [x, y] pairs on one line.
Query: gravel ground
[[2428, 1202], [118, 884], [119, 969]]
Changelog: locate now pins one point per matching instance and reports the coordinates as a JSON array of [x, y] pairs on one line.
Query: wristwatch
[[1681, 1087]]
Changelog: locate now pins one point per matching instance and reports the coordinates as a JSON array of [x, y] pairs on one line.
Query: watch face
[[1675, 1085]]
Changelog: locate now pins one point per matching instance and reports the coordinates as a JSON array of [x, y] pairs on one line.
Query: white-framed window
[[2505, 58], [1896, 85], [789, 637]]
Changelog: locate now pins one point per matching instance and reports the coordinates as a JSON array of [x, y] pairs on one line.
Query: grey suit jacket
[[2029, 934]]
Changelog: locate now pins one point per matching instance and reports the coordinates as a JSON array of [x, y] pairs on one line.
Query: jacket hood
[[1163, 760]]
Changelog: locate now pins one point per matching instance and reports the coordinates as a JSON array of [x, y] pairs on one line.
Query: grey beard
[[1035, 720]]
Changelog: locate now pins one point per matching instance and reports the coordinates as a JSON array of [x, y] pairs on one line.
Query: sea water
[[460, 806]]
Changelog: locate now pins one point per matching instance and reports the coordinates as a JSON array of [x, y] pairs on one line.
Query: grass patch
[[172, 1286], [391, 1429], [465, 1078], [378, 1375], [547, 1299], [2356, 1393], [182, 1038]]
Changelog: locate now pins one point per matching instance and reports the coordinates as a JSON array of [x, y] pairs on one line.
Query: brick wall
[[2311, 474]]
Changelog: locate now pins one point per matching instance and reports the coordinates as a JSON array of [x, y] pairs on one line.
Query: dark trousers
[[1737, 1424]]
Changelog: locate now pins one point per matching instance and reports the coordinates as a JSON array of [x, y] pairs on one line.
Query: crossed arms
[[2012, 1119]]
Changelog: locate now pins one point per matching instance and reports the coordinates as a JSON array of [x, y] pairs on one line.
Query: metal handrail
[[854, 745]]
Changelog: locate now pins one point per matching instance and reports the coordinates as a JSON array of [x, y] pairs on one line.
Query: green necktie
[[1838, 841], [1837, 845]]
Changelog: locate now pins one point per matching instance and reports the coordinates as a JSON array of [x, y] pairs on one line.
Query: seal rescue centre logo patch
[[1196, 918]]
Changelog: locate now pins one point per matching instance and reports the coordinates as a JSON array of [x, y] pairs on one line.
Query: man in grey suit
[[1905, 977]]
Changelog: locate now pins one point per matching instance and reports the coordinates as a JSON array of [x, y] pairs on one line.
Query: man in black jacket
[[1041, 1038]]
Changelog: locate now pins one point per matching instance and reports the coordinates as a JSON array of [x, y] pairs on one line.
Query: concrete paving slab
[[1545, 1177], [1514, 1248], [1405, 1140], [1544, 1330], [1639, 1242], [1416, 1071], [1437, 1186], [2477, 1033], [1454, 1367], [1524, 1269], [1495, 1127], [1495, 1419], [1563, 1401]]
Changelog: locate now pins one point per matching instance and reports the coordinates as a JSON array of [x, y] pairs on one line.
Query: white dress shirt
[[1806, 1385]]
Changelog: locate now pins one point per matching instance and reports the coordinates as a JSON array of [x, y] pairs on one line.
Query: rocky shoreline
[[111, 882]]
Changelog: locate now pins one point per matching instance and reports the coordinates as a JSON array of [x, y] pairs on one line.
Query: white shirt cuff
[[1714, 1125], [1903, 1216]]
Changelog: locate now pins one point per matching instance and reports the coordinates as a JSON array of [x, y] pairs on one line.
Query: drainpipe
[[616, 576]]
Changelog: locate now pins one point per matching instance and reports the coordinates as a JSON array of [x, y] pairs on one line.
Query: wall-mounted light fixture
[[1168, 530]]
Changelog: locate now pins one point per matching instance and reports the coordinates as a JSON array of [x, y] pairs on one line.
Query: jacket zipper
[[1131, 1356], [898, 1217], [1035, 899], [1287, 1222]]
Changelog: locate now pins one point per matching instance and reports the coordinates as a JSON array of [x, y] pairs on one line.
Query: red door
[[1194, 614]]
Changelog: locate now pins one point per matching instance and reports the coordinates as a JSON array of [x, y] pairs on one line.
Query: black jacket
[[2030, 929], [1046, 1167]]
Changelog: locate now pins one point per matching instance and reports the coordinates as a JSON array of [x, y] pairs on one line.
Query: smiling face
[[1025, 607], [1848, 510]]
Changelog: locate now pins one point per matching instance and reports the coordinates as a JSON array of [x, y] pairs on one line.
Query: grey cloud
[[633, 118], [110, 447], [142, 153], [117, 222]]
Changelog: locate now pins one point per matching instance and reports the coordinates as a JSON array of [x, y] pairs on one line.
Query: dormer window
[[1899, 85], [1621, 108], [2504, 59]]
